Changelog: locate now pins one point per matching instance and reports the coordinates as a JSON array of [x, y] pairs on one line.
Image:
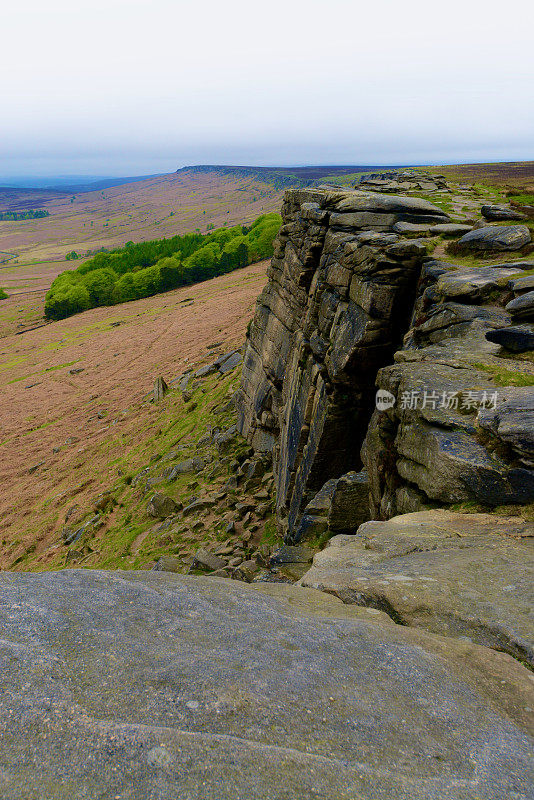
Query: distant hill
[[69, 184], [288, 174]]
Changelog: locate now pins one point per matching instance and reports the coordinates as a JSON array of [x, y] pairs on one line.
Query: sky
[[133, 87]]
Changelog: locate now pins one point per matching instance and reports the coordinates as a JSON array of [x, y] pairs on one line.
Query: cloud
[[131, 82]]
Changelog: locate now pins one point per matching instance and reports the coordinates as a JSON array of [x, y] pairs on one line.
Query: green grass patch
[[506, 377], [522, 199], [61, 366]]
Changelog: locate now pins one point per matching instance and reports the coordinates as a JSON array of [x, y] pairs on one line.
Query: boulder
[[160, 389], [167, 564], [207, 369], [472, 284], [516, 338], [339, 506], [198, 505], [186, 467], [209, 689], [462, 575], [496, 213], [229, 361], [162, 506], [291, 555], [225, 439], [523, 284], [71, 535], [412, 229], [522, 307], [496, 237], [203, 558]]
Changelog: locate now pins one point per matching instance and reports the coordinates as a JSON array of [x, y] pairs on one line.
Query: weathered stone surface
[[472, 284], [469, 575], [523, 284], [198, 505], [71, 535], [340, 506], [501, 213], [522, 307], [516, 338], [332, 312], [206, 370], [160, 505], [188, 466], [426, 449], [167, 564], [342, 305], [291, 555], [160, 389], [209, 560], [158, 685], [412, 228], [512, 422], [229, 362], [496, 237], [451, 229]]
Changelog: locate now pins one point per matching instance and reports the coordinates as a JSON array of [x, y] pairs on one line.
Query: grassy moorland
[[511, 175], [75, 420]]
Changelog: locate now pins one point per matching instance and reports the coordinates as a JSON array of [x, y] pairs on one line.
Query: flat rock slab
[[501, 213], [496, 237], [155, 685], [464, 575]]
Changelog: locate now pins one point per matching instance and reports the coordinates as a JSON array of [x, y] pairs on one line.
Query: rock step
[[463, 575]]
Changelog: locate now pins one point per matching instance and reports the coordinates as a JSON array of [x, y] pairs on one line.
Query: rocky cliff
[[353, 302]]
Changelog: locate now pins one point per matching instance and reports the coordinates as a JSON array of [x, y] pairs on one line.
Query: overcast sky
[[129, 87]]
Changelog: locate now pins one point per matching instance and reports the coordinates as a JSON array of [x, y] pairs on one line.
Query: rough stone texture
[[340, 506], [161, 505], [430, 448], [160, 389], [501, 213], [496, 237], [469, 575], [516, 338], [451, 229], [339, 302], [334, 309], [522, 307], [154, 685]]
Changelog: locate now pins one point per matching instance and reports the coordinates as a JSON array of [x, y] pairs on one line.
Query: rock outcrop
[[440, 441], [340, 293], [351, 303], [468, 575], [152, 684]]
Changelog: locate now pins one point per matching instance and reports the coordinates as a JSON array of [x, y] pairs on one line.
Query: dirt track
[[121, 350]]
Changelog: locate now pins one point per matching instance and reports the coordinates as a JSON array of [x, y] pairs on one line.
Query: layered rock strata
[[461, 575], [339, 297], [350, 302], [460, 427]]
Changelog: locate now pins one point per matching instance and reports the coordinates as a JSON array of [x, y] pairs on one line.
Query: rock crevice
[[352, 305]]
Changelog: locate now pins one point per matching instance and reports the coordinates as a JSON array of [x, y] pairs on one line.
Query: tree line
[[147, 268], [15, 216]]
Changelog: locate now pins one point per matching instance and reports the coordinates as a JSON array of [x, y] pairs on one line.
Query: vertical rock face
[[339, 298], [460, 427], [351, 305]]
